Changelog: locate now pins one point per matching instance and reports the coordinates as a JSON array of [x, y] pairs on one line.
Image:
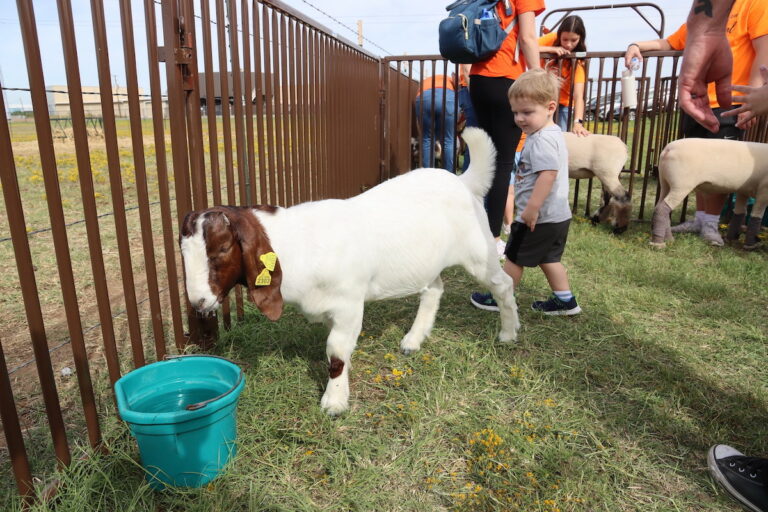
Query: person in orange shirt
[[570, 38], [435, 107], [747, 34], [489, 82]]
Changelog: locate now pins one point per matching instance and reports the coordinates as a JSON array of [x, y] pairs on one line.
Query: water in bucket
[[182, 413]]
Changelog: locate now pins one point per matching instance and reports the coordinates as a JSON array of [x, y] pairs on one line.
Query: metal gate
[[241, 102]]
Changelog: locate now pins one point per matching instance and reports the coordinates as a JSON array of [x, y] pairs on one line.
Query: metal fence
[[91, 220], [251, 103], [645, 129]]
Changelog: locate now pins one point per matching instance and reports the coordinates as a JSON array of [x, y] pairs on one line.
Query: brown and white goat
[[718, 166], [330, 257]]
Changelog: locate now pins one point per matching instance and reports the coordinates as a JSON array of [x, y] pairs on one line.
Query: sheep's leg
[[346, 323], [601, 214], [661, 229], [425, 317], [756, 220], [734, 226]]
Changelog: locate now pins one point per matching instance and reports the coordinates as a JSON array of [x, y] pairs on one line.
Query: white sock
[[711, 218], [564, 296]]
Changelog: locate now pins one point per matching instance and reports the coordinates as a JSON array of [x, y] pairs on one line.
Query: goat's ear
[[255, 244]]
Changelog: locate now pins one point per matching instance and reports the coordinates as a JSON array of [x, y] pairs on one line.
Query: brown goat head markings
[[234, 240]]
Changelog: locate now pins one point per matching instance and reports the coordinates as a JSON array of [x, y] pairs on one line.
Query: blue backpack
[[472, 31]]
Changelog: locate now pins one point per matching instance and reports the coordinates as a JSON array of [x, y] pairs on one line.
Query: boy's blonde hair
[[537, 85]]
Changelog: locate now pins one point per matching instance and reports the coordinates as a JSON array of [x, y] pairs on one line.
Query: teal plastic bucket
[[182, 413]]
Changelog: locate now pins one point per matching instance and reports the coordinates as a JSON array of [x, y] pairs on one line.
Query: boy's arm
[[541, 190]]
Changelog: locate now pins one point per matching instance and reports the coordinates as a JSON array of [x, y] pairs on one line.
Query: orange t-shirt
[[564, 70], [441, 82], [747, 20], [503, 63]]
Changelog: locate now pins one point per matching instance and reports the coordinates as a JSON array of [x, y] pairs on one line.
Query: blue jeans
[[465, 104], [563, 115], [442, 120]]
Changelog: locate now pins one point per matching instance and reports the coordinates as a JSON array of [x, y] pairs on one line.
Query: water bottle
[[634, 64], [628, 89]]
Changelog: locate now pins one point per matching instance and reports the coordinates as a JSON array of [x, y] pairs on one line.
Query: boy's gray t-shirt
[[544, 150]]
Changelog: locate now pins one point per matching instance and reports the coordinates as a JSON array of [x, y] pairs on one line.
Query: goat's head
[[225, 246]]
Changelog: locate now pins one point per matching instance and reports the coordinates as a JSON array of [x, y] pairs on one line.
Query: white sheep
[[330, 257], [716, 166], [602, 157]]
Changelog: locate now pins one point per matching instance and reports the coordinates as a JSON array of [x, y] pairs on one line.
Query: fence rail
[[293, 126]]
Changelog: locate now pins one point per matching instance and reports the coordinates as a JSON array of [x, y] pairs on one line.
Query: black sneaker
[[744, 478], [555, 306], [484, 301]]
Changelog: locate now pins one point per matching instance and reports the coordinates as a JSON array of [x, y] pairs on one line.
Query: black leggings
[[489, 98]]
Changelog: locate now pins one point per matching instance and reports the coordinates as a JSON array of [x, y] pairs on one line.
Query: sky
[[394, 27]]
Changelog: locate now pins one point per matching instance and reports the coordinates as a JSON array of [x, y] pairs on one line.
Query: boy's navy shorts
[[545, 244]]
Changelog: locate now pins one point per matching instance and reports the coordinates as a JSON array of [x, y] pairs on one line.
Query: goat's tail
[[482, 167]]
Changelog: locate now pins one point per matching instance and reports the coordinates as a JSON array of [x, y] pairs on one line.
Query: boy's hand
[[530, 216]]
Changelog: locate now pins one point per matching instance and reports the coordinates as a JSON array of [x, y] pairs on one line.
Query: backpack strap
[[511, 26]]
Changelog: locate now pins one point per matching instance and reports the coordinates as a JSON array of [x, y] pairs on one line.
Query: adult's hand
[[633, 52], [754, 101], [579, 130]]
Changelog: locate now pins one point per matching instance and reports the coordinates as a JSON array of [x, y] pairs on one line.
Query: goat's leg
[[490, 275], [425, 317], [346, 323]]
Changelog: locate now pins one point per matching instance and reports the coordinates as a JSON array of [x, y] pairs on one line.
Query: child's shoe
[[555, 306], [484, 301]]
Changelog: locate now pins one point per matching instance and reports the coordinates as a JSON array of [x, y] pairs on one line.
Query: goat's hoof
[[657, 245], [508, 337], [408, 345], [334, 409]]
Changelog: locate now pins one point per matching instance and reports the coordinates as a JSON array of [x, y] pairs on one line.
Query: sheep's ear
[[263, 284]]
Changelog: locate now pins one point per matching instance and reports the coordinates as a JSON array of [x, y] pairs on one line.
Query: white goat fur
[[717, 166], [602, 157], [392, 241]]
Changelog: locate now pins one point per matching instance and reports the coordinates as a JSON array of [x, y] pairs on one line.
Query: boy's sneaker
[[555, 306], [484, 301], [744, 478]]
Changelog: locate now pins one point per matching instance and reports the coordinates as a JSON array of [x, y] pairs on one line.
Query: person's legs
[[424, 105], [514, 271], [465, 103], [489, 97], [556, 275], [563, 115], [449, 124]]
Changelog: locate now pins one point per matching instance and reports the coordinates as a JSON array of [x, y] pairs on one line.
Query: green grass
[[612, 410]]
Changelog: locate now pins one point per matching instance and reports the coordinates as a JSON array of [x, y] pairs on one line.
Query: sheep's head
[[225, 246]]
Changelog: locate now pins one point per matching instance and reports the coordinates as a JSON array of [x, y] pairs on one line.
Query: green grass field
[[612, 410]]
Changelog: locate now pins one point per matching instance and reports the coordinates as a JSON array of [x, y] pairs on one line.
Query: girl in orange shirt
[[570, 38]]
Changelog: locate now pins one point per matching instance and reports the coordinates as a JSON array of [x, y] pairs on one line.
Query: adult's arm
[[578, 110], [526, 38], [634, 49], [707, 58]]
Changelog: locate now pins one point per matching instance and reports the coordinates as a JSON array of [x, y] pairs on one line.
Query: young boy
[[538, 234]]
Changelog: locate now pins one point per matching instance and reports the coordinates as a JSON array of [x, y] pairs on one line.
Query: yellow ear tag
[[269, 259], [263, 279]]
